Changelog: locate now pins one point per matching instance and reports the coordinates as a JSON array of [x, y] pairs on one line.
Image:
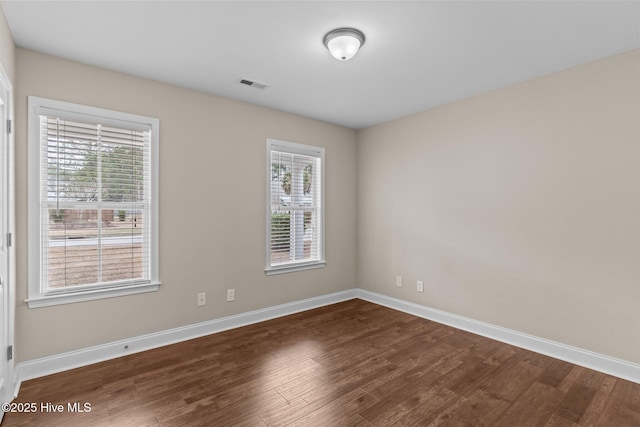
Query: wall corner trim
[[606, 364]]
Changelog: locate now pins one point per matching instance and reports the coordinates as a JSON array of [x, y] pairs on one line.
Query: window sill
[[290, 268], [68, 298]]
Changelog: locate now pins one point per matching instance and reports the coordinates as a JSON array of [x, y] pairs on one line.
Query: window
[[295, 207], [93, 203]]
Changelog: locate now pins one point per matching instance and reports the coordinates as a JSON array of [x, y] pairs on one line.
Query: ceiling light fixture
[[343, 43]]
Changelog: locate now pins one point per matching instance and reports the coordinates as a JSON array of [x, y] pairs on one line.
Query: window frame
[[37, 295], [305, 150]]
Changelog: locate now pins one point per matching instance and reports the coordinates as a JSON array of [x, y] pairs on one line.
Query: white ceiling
[[417, 54]]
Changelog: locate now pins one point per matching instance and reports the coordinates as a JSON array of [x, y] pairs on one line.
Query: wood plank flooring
[[348, 364]]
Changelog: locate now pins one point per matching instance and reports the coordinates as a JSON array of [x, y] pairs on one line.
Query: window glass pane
[[122, 164], [122, 245], [280, 237], [72, 160], [72, 247]]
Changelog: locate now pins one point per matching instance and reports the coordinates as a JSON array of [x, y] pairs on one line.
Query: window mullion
[[297, 217]]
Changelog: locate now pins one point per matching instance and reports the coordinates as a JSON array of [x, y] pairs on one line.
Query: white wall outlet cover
[[202, 299]]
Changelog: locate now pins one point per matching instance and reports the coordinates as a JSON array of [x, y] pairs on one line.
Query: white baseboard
[[598, 362], [87, 356]]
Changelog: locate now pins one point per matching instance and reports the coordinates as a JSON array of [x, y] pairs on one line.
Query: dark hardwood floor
[[348, 364]]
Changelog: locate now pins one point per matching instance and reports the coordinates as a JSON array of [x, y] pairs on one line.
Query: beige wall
[[7, 48], [212, 202], [520, 207]]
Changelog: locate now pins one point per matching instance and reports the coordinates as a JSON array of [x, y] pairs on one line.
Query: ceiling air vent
[[253, 83]]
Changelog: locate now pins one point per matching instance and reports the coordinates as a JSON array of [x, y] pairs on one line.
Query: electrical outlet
[[399, 281], [420, 286], [202, 299], [231, 295]]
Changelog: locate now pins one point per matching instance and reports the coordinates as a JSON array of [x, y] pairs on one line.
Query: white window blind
[[95, 201], [295, 206]]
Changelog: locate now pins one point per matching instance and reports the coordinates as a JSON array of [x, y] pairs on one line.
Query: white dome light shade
[[343, 43]]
